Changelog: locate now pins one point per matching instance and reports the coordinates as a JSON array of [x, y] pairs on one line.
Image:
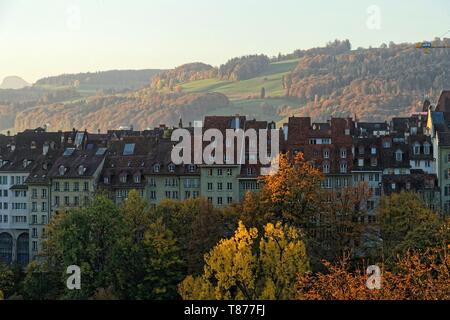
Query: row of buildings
[[43, 173]]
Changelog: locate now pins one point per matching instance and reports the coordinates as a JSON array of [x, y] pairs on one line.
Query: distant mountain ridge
[[14, 82]]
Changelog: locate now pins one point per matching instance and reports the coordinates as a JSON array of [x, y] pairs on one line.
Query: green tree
[[153, 265], [197, 226], [87, 238], [41, 282], [6, 280], [237, 268], [406, 223]]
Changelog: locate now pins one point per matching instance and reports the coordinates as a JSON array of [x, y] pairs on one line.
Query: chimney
[[237, 121], [285, 131]]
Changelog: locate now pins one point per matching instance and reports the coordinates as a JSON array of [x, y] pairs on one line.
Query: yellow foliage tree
[[237, 269]]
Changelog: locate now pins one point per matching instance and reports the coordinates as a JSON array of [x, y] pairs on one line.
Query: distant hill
[[114, 79], [14, 82]]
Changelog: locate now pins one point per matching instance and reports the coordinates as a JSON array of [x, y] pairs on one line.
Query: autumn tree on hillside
[[237, 268]]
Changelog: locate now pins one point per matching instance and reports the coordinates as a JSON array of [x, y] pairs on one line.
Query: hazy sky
[[50, 37]]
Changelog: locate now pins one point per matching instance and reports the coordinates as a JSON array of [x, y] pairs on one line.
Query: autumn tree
[[293, 193], [414, 276], [237, 268]]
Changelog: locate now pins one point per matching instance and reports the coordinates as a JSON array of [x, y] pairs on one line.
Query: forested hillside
[[335, 80]]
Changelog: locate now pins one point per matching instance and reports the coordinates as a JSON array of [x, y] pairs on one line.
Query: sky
[[51, 37]]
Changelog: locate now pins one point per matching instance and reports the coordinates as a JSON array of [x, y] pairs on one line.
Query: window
[[229, 172], [191, 168], [66, 201], [219, 186], [344, 153], [386, 144], [312, 141], [326, 168], [34, 193], [370, 205], [427, 163], [86, 186], [76, 186], [219, 201], [156, 168], [66, 186], [360, 162], [137, 178], [373, 162], [210, 200], [399, 156], [327, 183], [106, 180], [230, 200], [373, 151], [210, 186], [343, 168], [230, 186], [416, 149], [326, 154], [153, 195], [44, 193], [34, 206], [56, 186], [76, 201], [44, 207], [219, 172], [57, 201], [123, 178], [171, 168], [426, 148], [34, 219], [210, 172]]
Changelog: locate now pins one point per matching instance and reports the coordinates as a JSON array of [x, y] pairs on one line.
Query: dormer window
[[62, 170], [137, 178], [426, 148], [171, 168], [344, 153], [399, 155], [81, 170], [250, 171], [416, 148], [156, 168], [25, 163], [326, 154], [326, 168], [106, 180], [191, 168], [123, 178]]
